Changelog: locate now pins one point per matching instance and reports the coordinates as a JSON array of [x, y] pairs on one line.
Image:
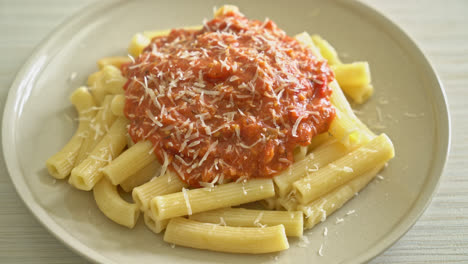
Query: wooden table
[[439, 27]]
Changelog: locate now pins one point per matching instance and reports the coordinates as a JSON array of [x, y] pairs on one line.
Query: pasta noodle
[[141, 177], [318, 140], [353, 74], [112, 80], [292, 221], [137, 44], [318, 210], [314, 161], [118, 104], [99, 126], [205, 199], [270, 203], [311, 187], [165, 184], [88, 173], [253, 240], [129, 162], [289, 203], [155, 225], [113, 206], [116, 61], [326, 50], [353, 78], [61, 164]]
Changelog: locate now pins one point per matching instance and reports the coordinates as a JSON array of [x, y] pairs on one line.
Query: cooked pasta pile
[[143, 131]]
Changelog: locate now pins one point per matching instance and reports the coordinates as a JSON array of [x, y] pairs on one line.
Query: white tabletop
[[440, 29]]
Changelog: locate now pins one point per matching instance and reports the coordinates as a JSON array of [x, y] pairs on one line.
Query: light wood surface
[[439, 28]]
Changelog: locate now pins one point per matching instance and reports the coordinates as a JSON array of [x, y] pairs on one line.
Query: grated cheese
[[221, 221], [210, 149], [165, 164], [320, 251], [187, 202], [72, 76], [298, 121], [324, 215], [350, 212], [247, 147], [257, 220], [304, 241]]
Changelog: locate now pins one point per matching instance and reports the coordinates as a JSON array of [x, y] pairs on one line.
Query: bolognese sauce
[[229, 101]]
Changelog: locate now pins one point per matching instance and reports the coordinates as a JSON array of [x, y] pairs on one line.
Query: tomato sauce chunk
[[230, 101]]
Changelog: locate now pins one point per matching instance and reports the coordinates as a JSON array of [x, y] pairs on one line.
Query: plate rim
[[36, 210], [443, 135]]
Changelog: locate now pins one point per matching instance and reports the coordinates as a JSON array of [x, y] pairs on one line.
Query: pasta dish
[[199, 121]]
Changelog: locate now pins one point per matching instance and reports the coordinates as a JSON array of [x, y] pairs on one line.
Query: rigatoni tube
[[112, 79], [320, 209], [352, 74], [142, 176], [155, 225], [320, 157], [340, 102], [194, 201], [118, 104], [326, 49], [99, 127], [115, 61], [292, 221], [337, 173], [113, 206], [137, 44], [129, 162], [288, 202], [61, 164], [252, 240], [318, 140], [88, 172], [168, 183], [354, 78]]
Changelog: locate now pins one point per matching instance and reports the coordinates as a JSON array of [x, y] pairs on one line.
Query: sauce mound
[[230, 101]]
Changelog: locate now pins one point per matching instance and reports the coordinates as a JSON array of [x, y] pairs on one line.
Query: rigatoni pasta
[[354, 78], [318, 210], [61, 164], [153, 224], [118, 104], [313, 162], [129, 162], [252, 240], [141, 177], [113, 206], [337, 173], [112, 80], [193, 125], [188, 202], [89, 171], [325, 49], [99, 126], [116, 61], [292, 221], [165, 184]]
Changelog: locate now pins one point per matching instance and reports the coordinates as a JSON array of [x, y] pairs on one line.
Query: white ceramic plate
[[408, 96]]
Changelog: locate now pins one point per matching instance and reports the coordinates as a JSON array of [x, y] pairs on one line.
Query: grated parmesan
[[187, 202]]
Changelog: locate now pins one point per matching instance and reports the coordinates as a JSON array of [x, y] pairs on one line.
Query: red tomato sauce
[[230, 101]]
